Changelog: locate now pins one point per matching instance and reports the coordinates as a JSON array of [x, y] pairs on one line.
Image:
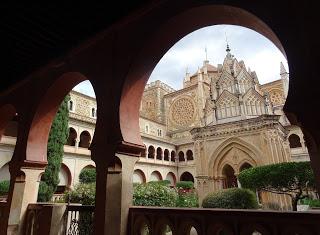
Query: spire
[[205, 49], [228, 49], [282, 69], [206, 61]]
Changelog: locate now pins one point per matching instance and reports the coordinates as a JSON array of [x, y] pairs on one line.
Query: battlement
[[160, 84]]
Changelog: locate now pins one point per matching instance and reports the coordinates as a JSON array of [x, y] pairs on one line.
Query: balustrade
[[199, 221]]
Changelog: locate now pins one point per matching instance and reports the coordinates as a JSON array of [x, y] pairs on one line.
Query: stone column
[[204, 186], [25, 191], [77, 143], [119, 194]]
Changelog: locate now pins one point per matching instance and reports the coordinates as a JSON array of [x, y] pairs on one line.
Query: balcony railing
[[80, 220], [59, 218], [178, 221]]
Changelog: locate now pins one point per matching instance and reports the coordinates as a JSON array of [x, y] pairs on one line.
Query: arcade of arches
[[235, 129]]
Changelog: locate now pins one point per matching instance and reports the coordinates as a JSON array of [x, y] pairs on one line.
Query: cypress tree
[[57, 138]]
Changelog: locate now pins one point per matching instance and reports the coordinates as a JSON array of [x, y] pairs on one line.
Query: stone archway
[[230, 179], [186, 22], [233, 152], [186, 176]]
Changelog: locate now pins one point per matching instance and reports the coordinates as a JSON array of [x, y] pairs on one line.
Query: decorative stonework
[[182, 111], [277, 97], [247, 126]]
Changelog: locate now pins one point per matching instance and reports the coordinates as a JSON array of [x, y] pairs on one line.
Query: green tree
[[294, 179], [57, 138], [88, 175]]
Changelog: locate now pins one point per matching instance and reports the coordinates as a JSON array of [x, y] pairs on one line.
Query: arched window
[[230, 180], [159, 153], [151, 151], [294, 141], [93, 112], [189, 155], [72, 137], [181, 156], [187, 176], [155, 176], [85, 139], [71, 105], [166, 155], [173, 156], [138, 176], [64, 179], [172, 178]]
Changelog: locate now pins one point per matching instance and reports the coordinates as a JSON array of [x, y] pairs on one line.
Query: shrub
[[185, 185], [88, 175], [162, 182], [83, 193], [4, 187], [233, 198], [311, 202], [187, 199], [154, 194]]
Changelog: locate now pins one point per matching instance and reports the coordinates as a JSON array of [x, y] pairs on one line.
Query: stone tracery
[[182, 111]]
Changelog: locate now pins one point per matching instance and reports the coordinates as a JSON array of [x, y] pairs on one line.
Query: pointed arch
[[217, 159], [227, 105], [254, 103]]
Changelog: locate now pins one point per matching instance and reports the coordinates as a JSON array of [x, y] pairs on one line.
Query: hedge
[[233, 198], [185, 185]]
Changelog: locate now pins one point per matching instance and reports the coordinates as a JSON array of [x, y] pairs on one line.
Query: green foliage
[[286, 175], [4, 187], [311, 202], [233, 198], [291, 178], [154, 194], [57, 138], [185, 184], [44, 193], [83, 193], [88, 175], [162, 182], [187, 198]]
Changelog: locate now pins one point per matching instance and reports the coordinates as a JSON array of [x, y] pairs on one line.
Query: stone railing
[[45, 218], [80, 219], [178, 221], [58, 219]]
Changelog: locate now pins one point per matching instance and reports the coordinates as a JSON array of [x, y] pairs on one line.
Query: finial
[[186, 70], [205, 49], [228, 49], [282, 69]]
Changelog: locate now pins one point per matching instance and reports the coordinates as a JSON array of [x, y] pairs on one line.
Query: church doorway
[[230, 180]]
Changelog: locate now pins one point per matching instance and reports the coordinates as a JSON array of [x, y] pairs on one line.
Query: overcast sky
[[257, 52]]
